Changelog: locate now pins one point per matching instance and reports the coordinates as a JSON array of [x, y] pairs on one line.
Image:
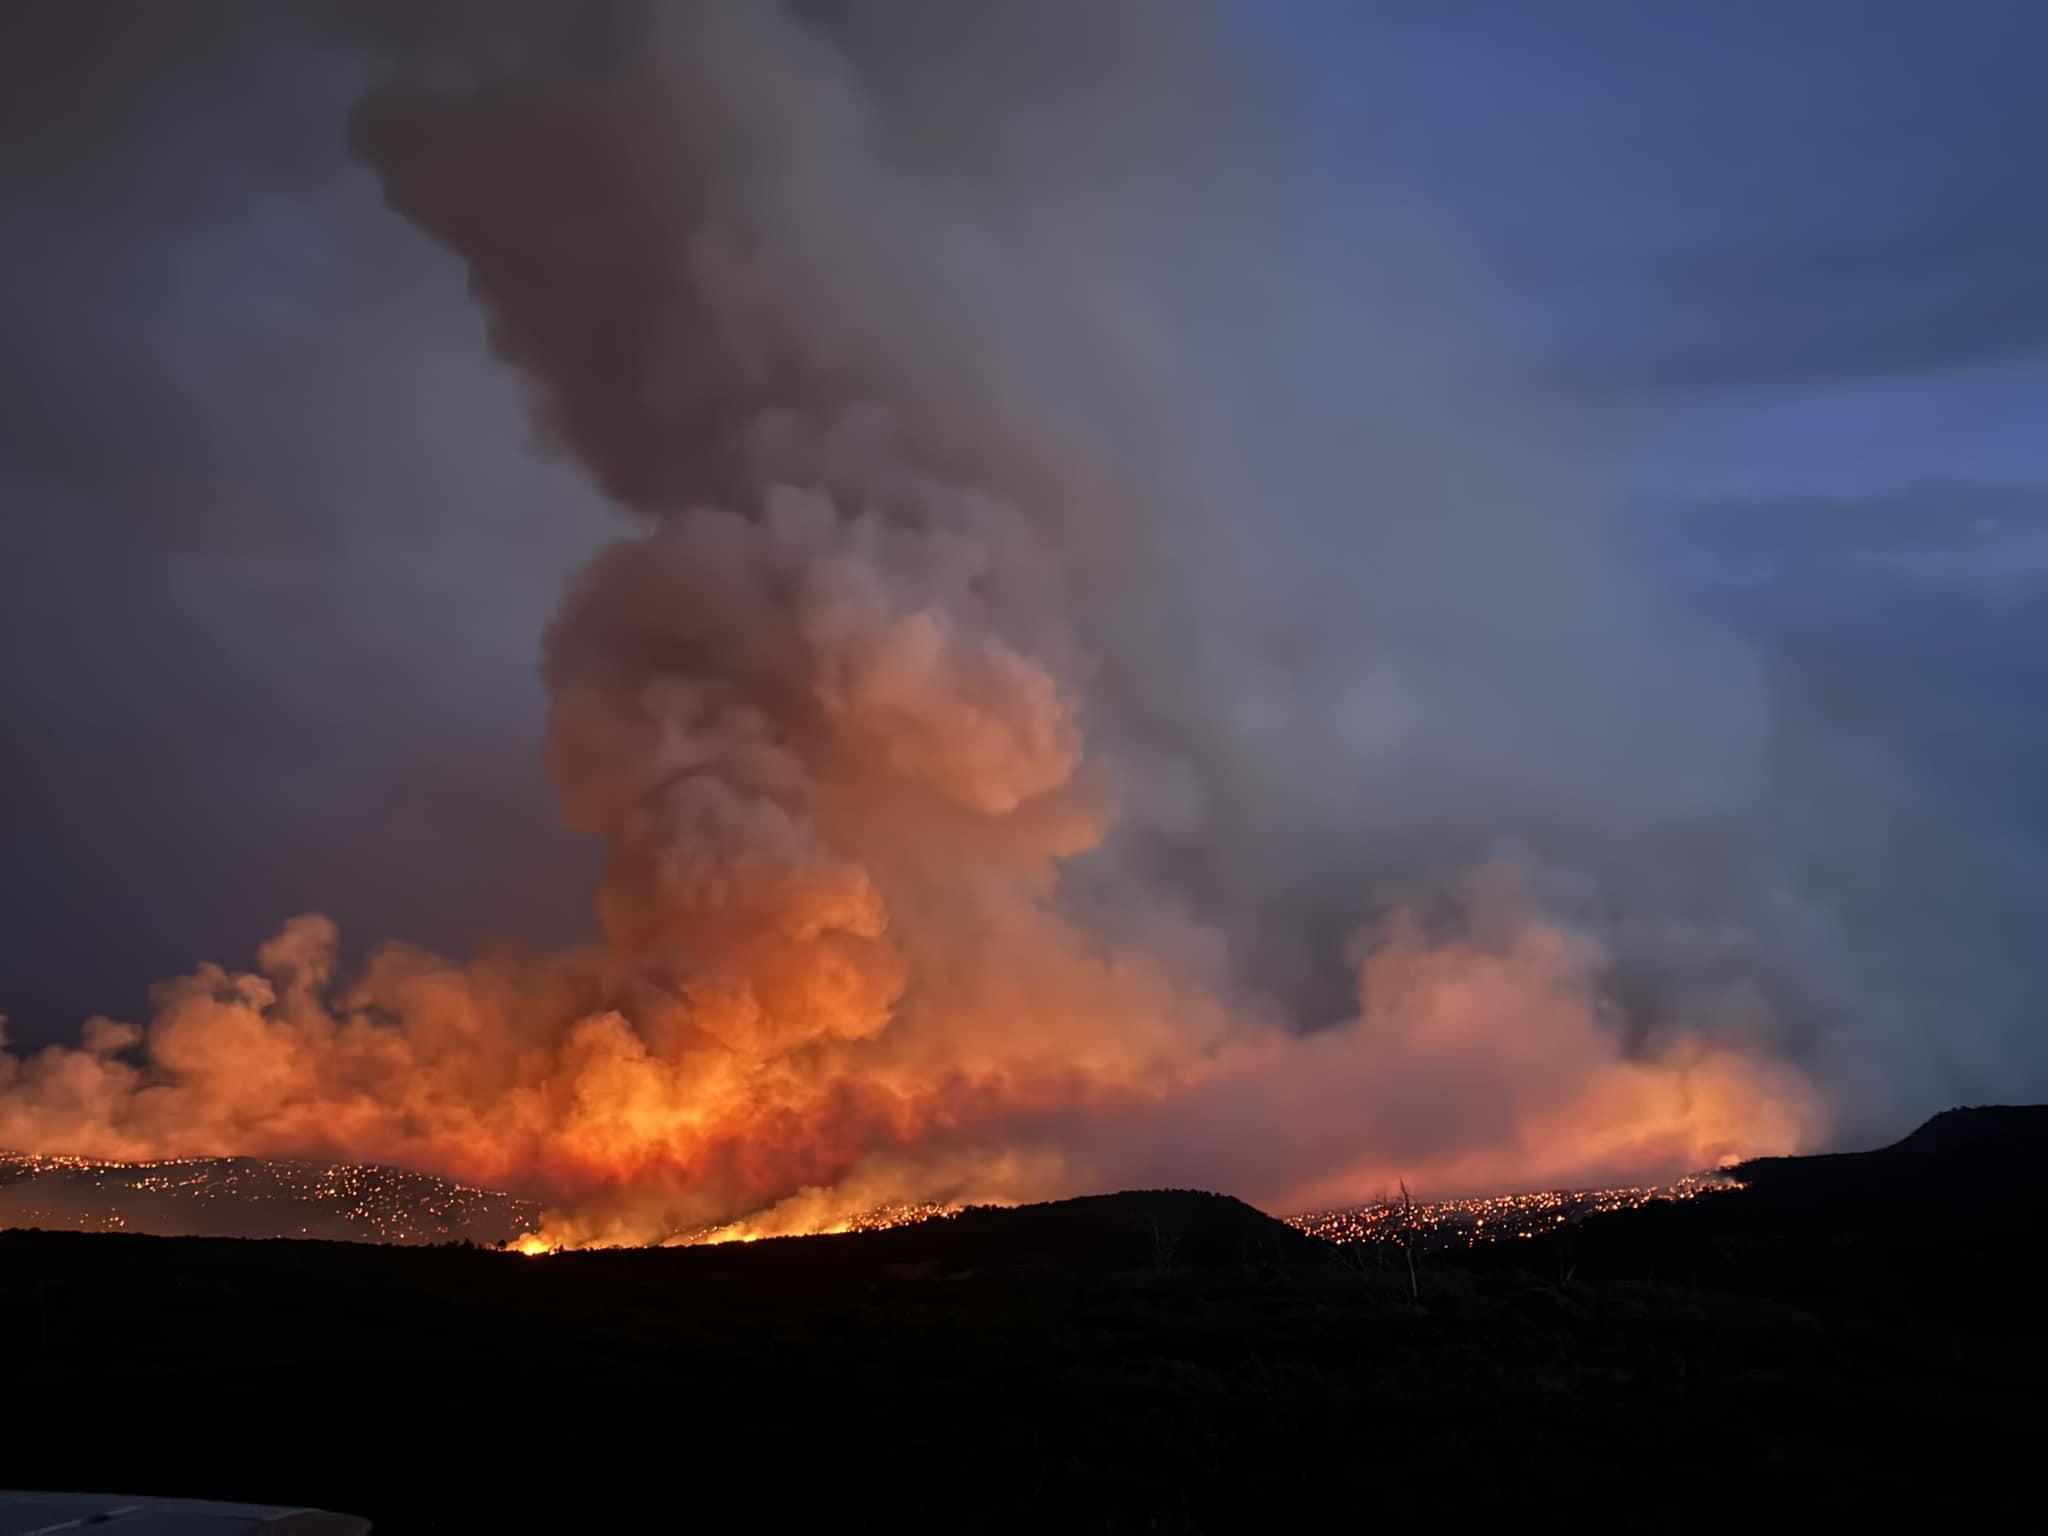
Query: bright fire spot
[[874, 1219], [737, 1232], [532, 1245]]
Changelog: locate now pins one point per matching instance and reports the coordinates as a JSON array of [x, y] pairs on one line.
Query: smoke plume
[[1098, 688]]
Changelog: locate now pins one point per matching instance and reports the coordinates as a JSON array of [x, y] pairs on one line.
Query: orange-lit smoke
[[1021, 1066], [833, 716]]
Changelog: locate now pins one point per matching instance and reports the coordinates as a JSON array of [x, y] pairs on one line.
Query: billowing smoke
[[1102, 687]]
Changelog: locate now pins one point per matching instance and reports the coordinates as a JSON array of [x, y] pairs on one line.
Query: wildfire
[[876, 1219], [1491, 1218], [826, 713], [732, 1232], [643, 1127]]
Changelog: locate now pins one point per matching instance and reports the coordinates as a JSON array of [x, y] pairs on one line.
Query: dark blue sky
[[1799, 245], [269, 645]]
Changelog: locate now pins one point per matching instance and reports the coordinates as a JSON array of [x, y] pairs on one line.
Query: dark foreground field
[[1139, 1362]]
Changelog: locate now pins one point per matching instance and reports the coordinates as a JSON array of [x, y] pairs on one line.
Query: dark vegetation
[[1849, 1337]]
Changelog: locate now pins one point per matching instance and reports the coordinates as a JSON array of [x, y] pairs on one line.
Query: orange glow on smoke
[[914, 460], [1467, 1069]]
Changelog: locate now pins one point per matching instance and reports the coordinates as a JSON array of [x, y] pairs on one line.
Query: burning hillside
[[352, 1202], [254, 1197]]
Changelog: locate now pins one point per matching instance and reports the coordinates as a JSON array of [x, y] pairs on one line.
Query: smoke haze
[[1100, 675]]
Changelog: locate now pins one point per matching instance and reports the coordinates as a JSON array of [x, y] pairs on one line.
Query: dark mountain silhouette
[[1135, 1229], [1957, 1211], [1970, 1157]]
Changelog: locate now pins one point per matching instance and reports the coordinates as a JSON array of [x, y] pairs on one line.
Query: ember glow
[[880, 1218], [1491, 1218], [252, 1197], [920, 675]]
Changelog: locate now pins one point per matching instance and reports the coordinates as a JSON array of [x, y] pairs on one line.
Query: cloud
[[1725, 198]]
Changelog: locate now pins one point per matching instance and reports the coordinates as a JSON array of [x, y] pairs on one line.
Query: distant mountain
[[1989, 1149], [1136, 1229], [1965, 1163], [1956, 1211], [254, 1197]]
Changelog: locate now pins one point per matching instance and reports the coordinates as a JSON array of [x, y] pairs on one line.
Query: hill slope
[[1000, 1370], [254, 1197], [1956, 1212], [1968, 1157], [1135, 1229]]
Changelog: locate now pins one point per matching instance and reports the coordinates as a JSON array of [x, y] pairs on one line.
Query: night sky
[[279, 544]]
